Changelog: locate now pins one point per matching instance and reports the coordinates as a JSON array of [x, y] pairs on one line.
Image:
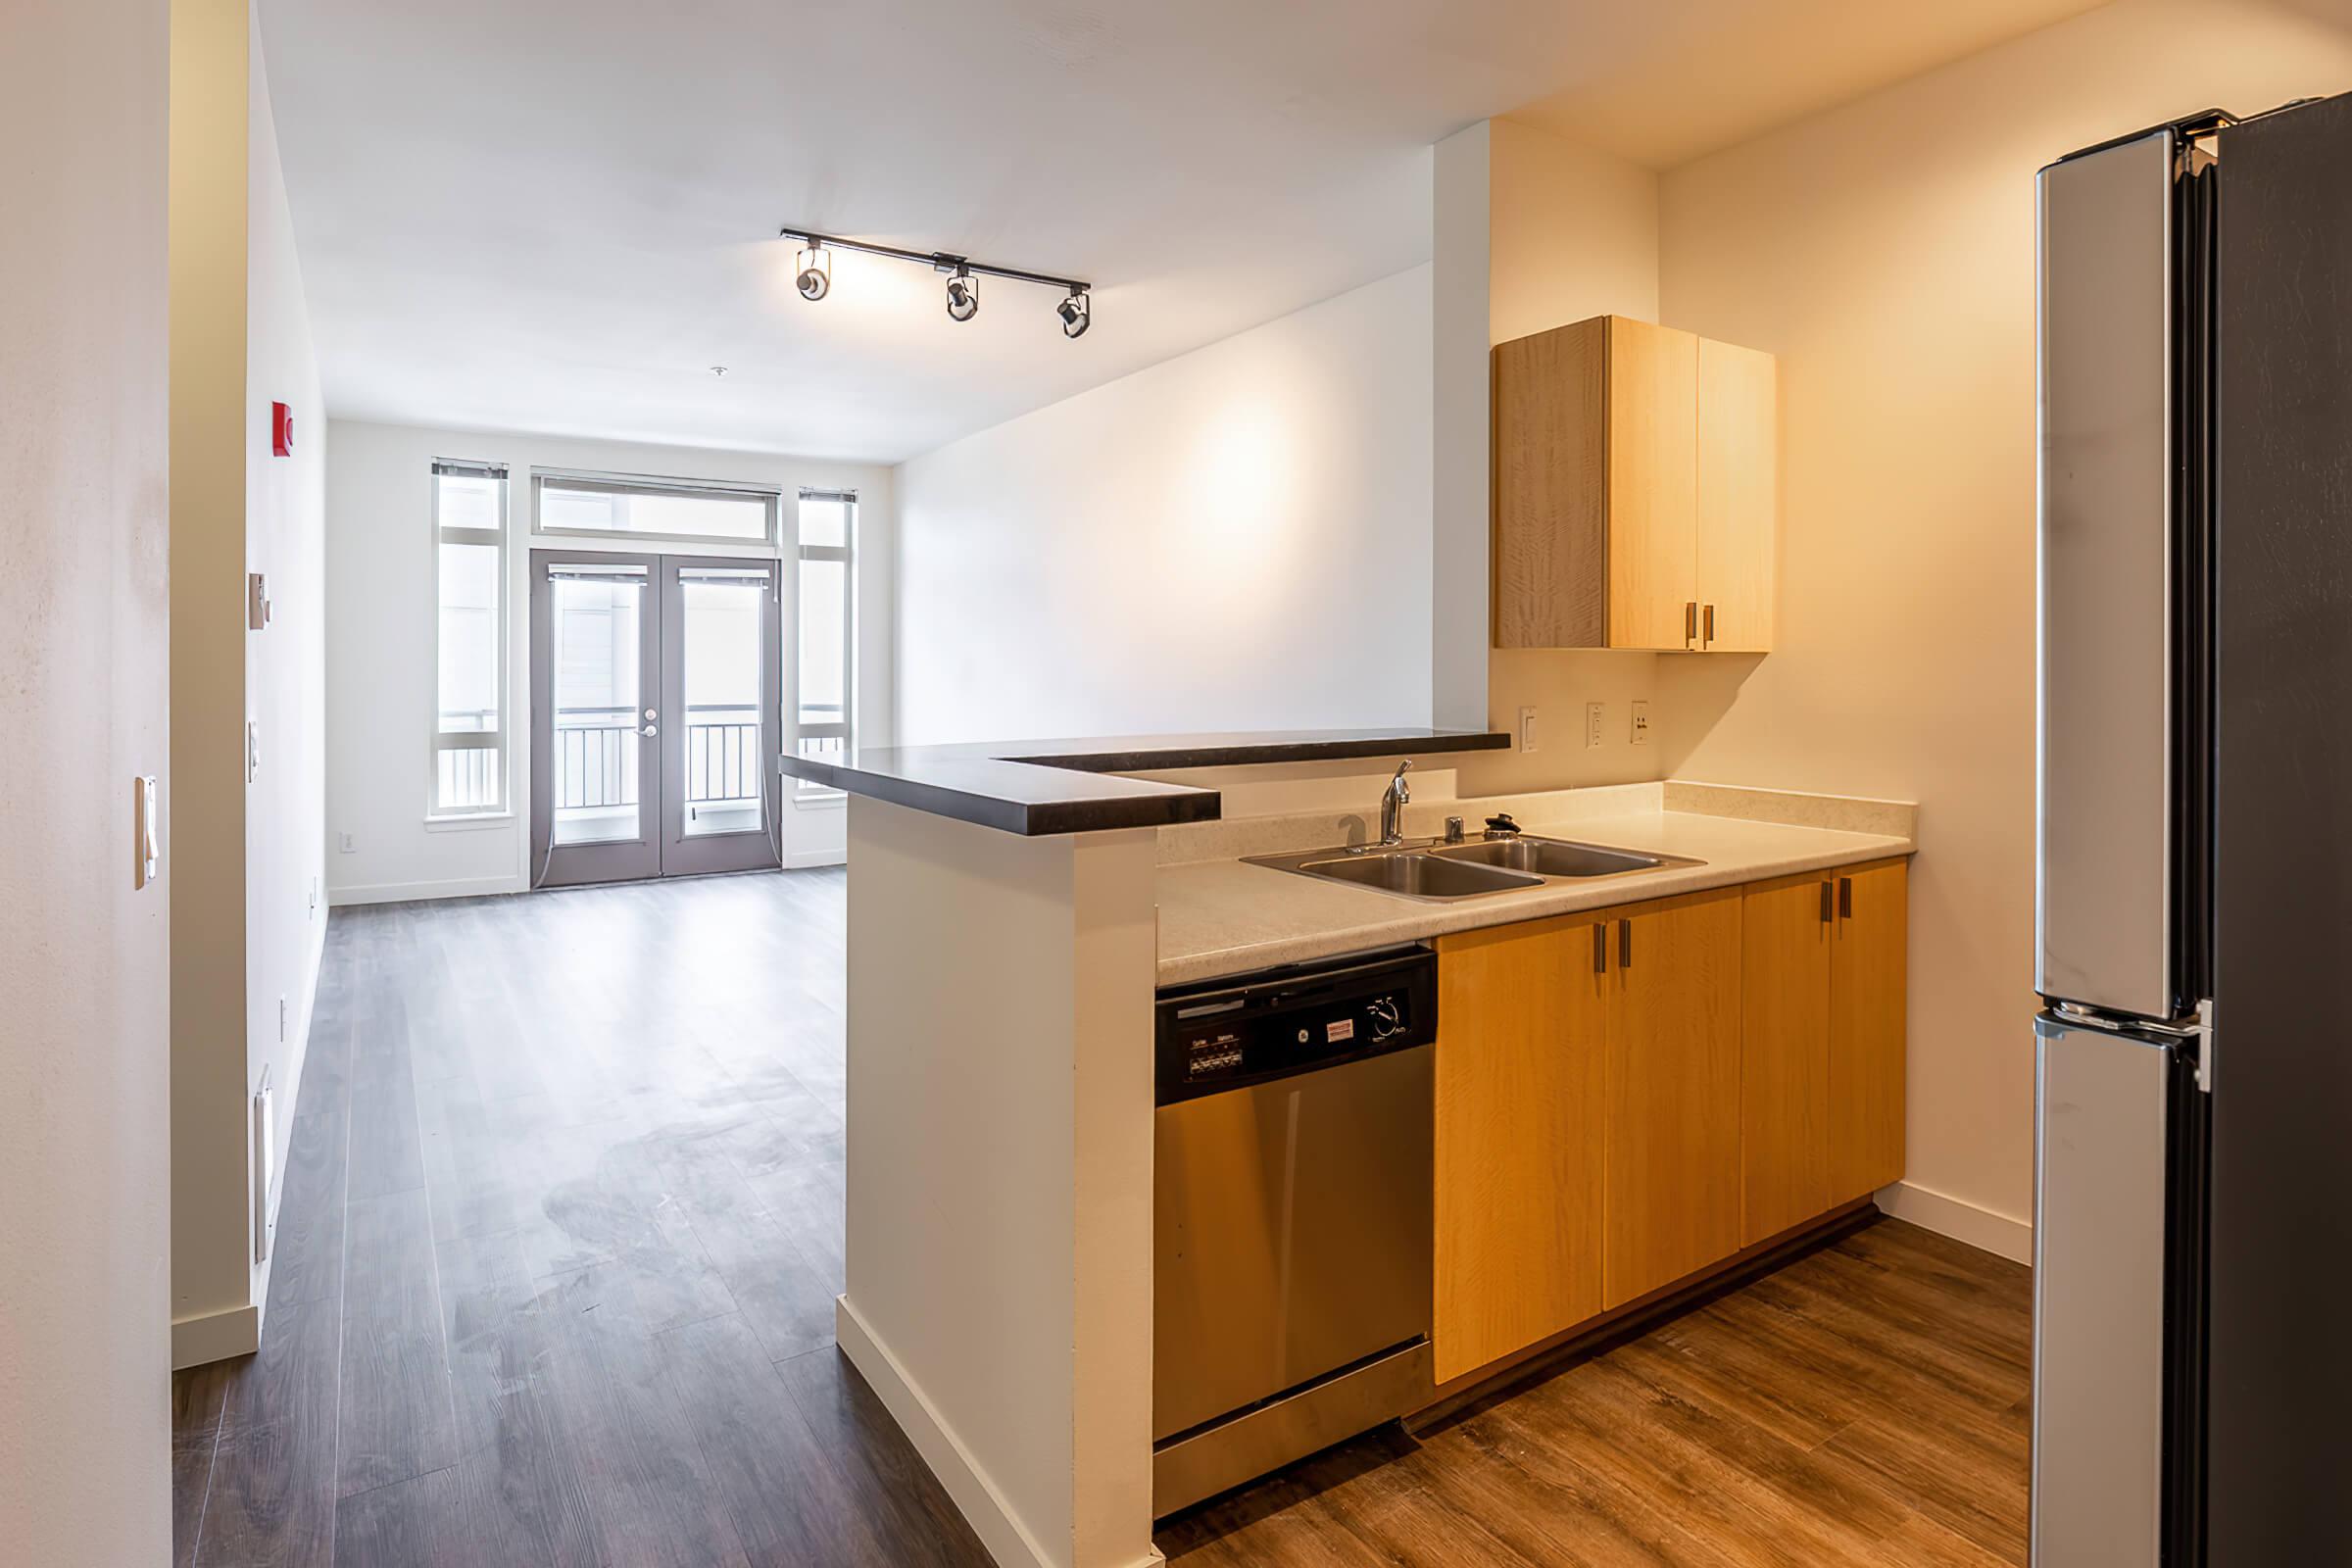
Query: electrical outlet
[[1527, 729], [345, 843], [1594, 714], [1641, 721], [314, 895], [281, 1020]]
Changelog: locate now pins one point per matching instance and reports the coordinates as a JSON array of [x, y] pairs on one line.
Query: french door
[[656, 716]]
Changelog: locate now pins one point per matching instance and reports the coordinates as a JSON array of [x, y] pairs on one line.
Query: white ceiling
[[557, 215]]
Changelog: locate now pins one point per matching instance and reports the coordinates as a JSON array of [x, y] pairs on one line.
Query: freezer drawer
[[2103, 1109]]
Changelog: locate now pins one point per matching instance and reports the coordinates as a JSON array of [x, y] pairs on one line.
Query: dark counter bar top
[[1040, 787]]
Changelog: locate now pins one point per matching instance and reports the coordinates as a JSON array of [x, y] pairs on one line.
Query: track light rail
[[937, 261]]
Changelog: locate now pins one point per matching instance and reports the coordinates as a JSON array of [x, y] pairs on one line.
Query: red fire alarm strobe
[[282, 429]]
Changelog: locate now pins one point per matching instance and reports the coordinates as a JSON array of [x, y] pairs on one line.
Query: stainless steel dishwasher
[[1293, 1234]]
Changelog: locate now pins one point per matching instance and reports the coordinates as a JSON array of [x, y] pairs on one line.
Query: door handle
[[1689, 621], [649, 731], [1824, 904], [1600, 946], [1846, 897], [1708, 635], [1625, 943]]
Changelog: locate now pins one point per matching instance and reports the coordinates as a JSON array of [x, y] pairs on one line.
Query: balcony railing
[[723, 756], [597, 759]]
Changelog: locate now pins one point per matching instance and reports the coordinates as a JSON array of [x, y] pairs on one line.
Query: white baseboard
[[471, 887], [809, 858], [212, 1336], [1961, 1220], [1007, 1541]]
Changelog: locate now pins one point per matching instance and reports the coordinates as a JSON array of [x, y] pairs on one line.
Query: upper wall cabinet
[[1636, 489]]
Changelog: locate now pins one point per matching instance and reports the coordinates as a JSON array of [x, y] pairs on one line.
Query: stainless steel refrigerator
[[2192, 1336]]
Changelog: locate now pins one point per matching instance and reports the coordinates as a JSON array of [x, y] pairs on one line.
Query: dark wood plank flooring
[[562, 1228], [1863, 1405]]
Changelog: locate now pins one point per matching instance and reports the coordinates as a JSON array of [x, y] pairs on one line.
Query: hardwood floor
[[1865, 1405], [556, 1256]]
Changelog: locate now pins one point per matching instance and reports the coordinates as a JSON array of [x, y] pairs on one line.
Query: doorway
[[656, 716]]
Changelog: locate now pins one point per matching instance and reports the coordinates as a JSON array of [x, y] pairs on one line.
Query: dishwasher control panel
[[1231, 1034]]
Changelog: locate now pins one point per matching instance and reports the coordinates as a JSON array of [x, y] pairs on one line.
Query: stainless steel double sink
[[1436, 870]]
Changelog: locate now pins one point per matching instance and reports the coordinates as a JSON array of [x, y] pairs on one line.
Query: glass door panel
[[596, 780], [723, 623]]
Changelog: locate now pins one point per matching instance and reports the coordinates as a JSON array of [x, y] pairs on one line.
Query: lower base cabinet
[[1630, 1098], [1671, 1197], [1519, 1117]]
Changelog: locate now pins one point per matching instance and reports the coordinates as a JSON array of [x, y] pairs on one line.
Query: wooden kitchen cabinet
[[1671, 1188], [1738, 496], [1520, 1043], [1867, 1047], [1636, 490], [1788, 930], [1630, 1098], [1820, 1094]]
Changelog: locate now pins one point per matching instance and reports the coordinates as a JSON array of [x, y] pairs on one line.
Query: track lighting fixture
[[813, 277], [814, 267], [963, 296]]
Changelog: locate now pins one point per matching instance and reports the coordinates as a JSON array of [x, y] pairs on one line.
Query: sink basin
[[1419, 876], [1552, 857]]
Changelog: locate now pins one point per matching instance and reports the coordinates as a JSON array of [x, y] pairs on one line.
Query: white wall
[[1885, 251], [381, 598], [250, 852], [285, 667], [1235, 539], [84, 1119], [999, 1220]]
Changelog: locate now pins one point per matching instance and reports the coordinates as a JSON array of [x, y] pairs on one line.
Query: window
[[469, 561], [824, 673], [674, 508]]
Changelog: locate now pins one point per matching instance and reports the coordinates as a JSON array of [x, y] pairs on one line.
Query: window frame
[[438, 740], [647, 485], [808, 791]]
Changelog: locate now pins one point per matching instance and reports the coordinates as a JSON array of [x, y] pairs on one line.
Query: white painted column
[[1461, 283], [1000, 1171]]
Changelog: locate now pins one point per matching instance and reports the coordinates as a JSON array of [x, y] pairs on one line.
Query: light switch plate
[[1594, 714], [253, 749], [1527, 729], [257, 601]]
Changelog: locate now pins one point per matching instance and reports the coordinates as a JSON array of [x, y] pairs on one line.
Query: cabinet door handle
[[1625, 943], [1846, 897], [1600, 946], [1689, 621], [1824, 904], [1708, 635]]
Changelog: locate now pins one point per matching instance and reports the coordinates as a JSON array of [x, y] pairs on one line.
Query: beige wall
[[1573, 235], [1885, 251], [85, 1390], [249, 856]]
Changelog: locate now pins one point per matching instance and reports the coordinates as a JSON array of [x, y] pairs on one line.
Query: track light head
[[816, 273], [963, 296], [1077, 313]]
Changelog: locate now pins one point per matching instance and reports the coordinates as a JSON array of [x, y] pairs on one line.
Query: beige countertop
[[1224, 918]]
